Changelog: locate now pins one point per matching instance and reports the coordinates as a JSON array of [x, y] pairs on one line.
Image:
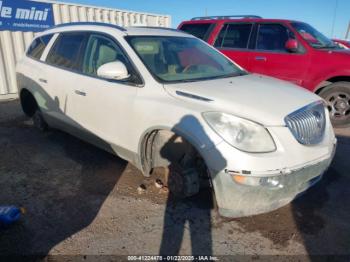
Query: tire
[[337, 96], [39, 121]]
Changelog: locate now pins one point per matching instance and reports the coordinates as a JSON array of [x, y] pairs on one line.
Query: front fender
[[316, 84], [190, 128]]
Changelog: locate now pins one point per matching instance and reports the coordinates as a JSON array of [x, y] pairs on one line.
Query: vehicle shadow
[[62, 184], [191, 214], [322, 214], [61, 181]]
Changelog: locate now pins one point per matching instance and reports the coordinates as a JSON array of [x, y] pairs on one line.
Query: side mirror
[[292, 45], [113, 71]]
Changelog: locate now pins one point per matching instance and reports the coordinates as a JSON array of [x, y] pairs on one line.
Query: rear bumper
[[237, 200]]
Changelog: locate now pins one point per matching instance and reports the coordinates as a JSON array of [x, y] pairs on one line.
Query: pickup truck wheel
[[337, 96], [39, 121]]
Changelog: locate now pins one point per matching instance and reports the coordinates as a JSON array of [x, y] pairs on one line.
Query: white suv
[[165, 100]]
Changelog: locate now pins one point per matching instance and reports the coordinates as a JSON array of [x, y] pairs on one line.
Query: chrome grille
[[308, 123]]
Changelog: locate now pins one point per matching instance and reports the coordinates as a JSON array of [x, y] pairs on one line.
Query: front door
[[271, 58], [104, 107]]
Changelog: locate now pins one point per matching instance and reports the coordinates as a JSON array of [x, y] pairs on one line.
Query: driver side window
[[101, 50], [273, 37]]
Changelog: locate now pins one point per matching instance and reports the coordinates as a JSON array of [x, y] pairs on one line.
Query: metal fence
[[13, 44]]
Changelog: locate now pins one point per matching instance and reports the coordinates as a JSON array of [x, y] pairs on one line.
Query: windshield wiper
[[326, 47], [227, 76], [211, 77]]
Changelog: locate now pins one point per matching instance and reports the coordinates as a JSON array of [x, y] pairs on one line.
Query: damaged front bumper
[[239, 196]]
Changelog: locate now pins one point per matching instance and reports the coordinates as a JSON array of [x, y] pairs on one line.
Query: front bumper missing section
[[237, 200]]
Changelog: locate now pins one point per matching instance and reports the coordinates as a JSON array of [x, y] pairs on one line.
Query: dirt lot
[[81, 200]]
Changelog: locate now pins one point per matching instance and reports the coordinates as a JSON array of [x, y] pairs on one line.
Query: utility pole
[[347, 36], [334, 17]]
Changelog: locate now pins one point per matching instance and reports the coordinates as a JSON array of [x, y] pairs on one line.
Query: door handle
[[260, 58], [81, 93], [42, 80]]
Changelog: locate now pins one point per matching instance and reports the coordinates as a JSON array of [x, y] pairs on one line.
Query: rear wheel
[[39, 121], [28, 103], [337, 96]]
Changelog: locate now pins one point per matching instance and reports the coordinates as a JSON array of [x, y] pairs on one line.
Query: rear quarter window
[[38, 46], [201, 31]]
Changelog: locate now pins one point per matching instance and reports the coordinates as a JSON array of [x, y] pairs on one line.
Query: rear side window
[[66, 51], [201, 31], [38, 46], [234, 36]]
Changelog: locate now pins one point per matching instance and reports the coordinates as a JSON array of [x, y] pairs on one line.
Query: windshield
[[313, 37], [180, 59]]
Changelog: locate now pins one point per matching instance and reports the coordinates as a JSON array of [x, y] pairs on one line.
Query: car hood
[[259, 98]]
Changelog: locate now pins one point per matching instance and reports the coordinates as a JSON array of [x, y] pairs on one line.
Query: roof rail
[[157, 27], [224, 17], [90, 23]]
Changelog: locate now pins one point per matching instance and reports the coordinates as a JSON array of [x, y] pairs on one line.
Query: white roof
[[144, 30], [137, 30]]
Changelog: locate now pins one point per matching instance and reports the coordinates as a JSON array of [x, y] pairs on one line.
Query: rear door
[[233, 41], [271, 58], [201, 30], [62, 65]]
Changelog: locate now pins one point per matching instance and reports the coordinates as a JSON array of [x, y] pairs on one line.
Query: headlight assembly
[[242, 134]]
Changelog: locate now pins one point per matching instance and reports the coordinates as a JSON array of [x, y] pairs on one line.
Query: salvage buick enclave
[[165, 100]]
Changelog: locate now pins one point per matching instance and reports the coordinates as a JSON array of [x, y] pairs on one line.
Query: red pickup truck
[[285, 49]]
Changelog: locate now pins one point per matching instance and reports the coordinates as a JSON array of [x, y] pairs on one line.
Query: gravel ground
[[80, 200]]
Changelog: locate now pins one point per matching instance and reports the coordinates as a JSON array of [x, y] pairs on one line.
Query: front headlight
[[242, 134]]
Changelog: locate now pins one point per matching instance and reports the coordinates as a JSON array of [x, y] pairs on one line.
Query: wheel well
[[331, 81], [28, 102], [162, 147]]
